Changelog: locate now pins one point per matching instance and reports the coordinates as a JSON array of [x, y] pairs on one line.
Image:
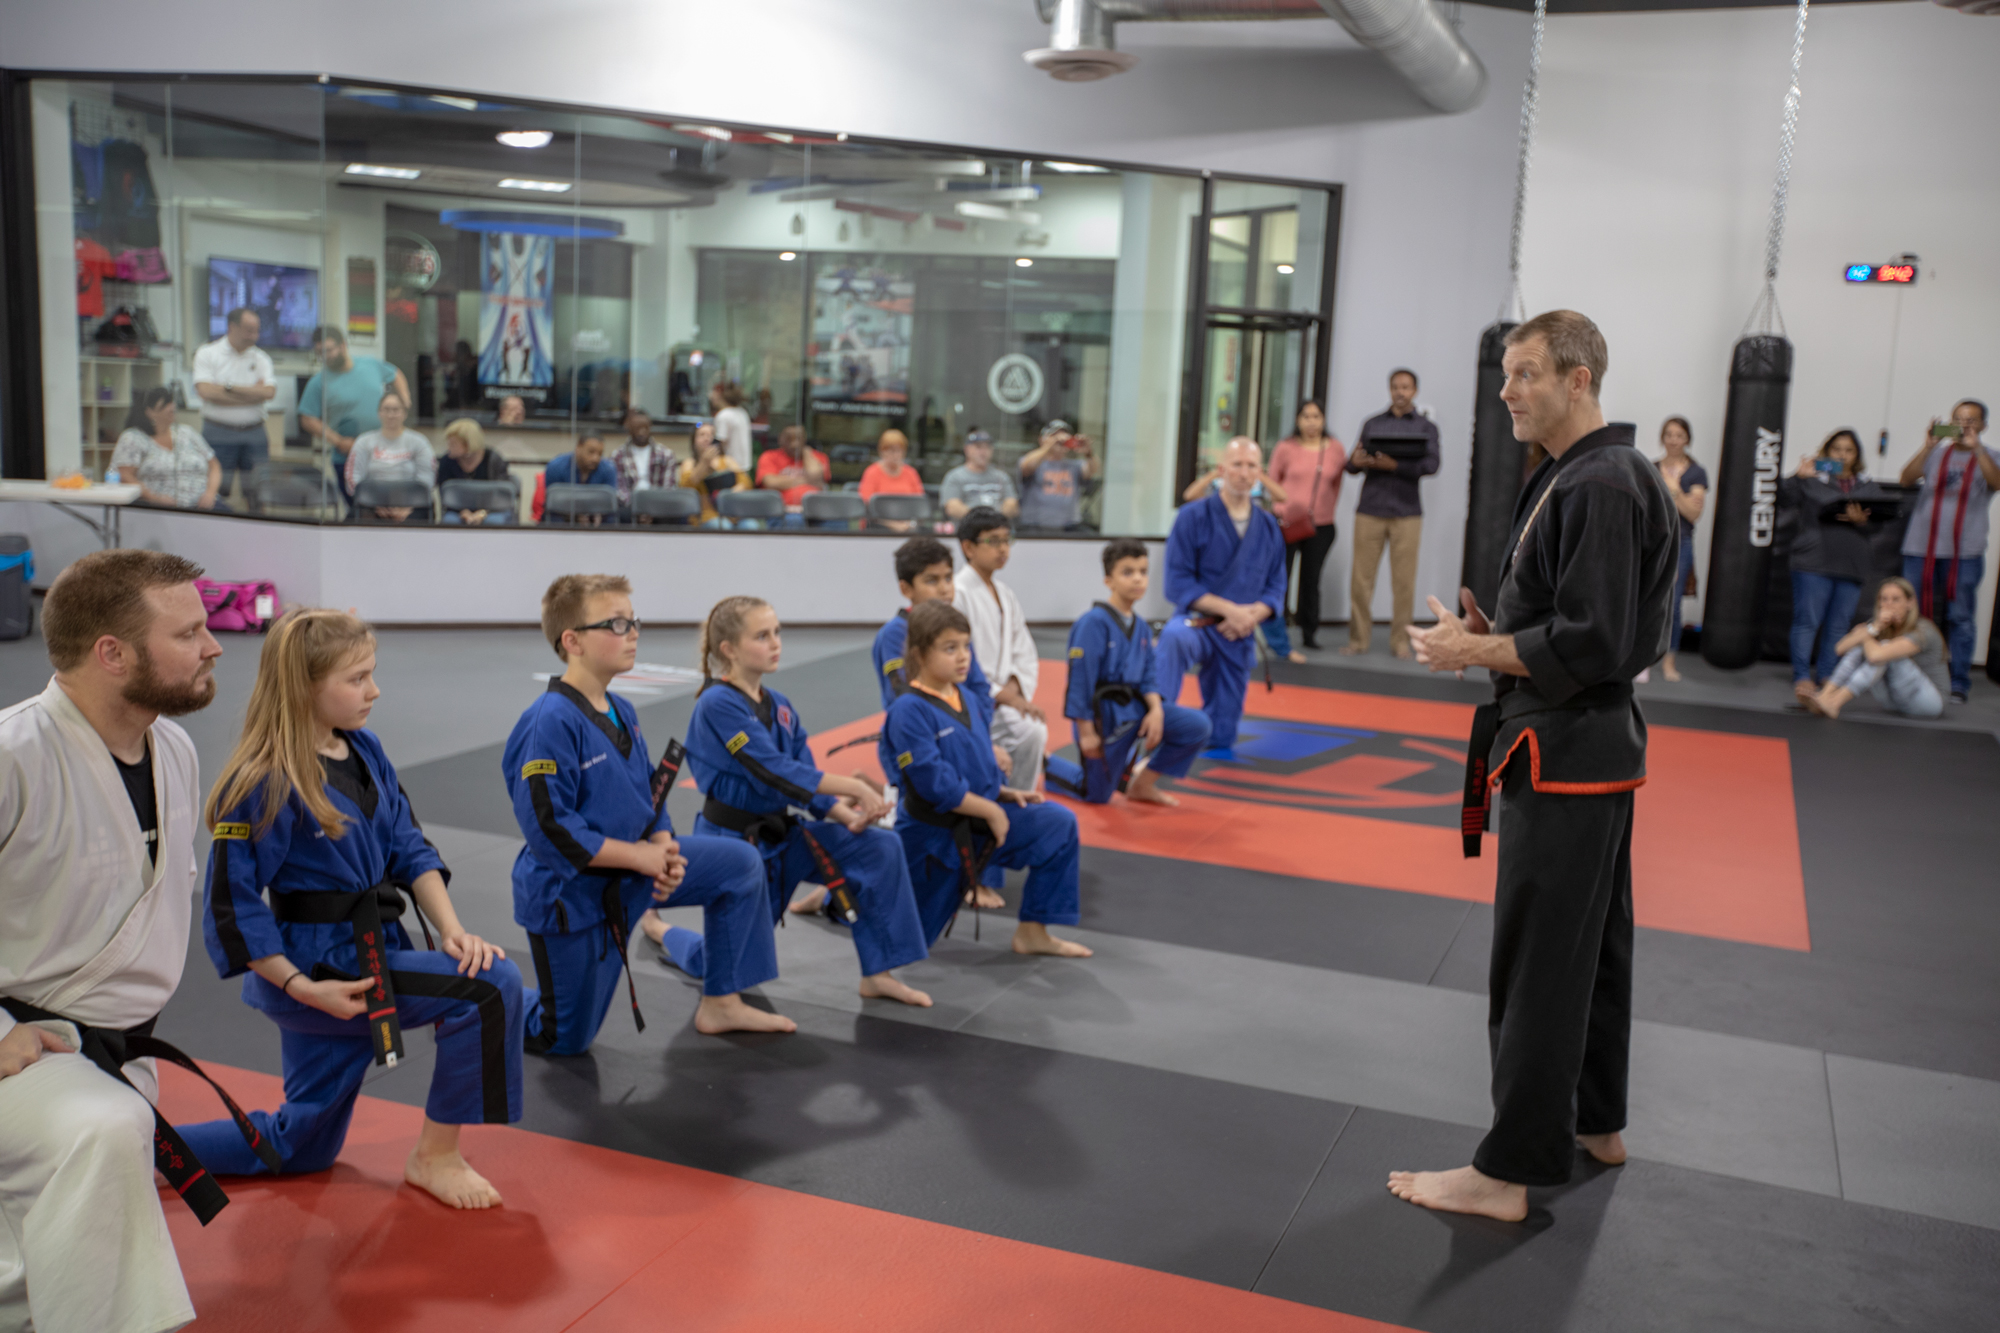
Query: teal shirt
[[346, 400]]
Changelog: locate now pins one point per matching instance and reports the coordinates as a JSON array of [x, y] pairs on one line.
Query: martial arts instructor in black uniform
[[1582, 609]]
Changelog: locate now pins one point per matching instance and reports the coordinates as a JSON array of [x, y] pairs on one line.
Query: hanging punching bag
[[1498, 461], [1746, 500]]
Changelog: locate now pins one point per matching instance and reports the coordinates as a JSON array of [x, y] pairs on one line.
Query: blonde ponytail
[[723, 625]]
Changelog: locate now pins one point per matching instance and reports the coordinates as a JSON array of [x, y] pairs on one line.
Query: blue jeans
[[494, 518], [1961, 614], [1901, 684], [239, 449], [1822, 606], [1276, 637], [1681, 572]]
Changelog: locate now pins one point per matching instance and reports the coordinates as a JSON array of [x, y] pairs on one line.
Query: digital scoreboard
[[1902, 271]]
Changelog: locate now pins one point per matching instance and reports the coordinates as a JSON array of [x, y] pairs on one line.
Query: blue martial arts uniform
[[1111, 671], [1204, 555], [577, 777], [893, 679], [751, 760], [478, 1074], [941, 754]]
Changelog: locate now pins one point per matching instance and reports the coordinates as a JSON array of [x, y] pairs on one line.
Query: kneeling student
[[309, 807], [750, 755], [1113, 698], [954, 808], [601, 850]]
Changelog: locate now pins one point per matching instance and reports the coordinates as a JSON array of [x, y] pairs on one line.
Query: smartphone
[[1826, 467], [1945, 430]]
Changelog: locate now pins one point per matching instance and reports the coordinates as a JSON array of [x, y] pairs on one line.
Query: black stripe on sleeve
[[222, 910], [545, 815], [784, 786]]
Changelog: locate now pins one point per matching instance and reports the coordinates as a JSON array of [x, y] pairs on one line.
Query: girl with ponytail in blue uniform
[[751, 759], [955, 814], [309, 809]]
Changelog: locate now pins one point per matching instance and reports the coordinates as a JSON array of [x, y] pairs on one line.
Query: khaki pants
[[1401, 536]]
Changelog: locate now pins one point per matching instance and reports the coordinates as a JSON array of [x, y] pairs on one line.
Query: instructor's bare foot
[[1606, 1148], [450, 1180], [732, 1013], [884, 986], [1466, 1190], [1034, 937], [810, 902], [985, 899], [1146, 788]]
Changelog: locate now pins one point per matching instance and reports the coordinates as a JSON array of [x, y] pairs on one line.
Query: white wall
[[1651, 191]]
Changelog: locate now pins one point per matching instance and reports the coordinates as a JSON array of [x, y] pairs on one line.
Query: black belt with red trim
[[1476, 812], [110, 1049], [772, 827], [365, 910]]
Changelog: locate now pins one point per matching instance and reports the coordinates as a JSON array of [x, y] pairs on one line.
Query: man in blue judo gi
[[1225, 576]]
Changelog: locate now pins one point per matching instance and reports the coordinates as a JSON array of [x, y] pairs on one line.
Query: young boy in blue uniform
[[954, 805], [1113, 699], [309, 808], [751, 760], [600, 848]]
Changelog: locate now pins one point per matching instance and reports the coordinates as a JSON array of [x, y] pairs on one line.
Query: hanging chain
[[1766, 308], [1515, 306]]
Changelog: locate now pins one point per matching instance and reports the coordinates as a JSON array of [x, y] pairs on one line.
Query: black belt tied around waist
[[110, 1049], [1476, 813], [1121, 693], [366, 910], [771, 828], [967, 834]]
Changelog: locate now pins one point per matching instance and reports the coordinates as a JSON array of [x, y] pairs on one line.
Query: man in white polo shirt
[[234, 380]]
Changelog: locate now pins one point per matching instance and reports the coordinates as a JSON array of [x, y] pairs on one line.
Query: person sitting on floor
[[1113, 698], [954, 814], [1898, 655]]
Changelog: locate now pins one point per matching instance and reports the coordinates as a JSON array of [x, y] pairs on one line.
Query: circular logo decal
[[1015, 383], [413, 262]]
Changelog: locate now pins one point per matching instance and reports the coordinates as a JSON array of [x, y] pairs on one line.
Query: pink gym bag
[[239, 608]]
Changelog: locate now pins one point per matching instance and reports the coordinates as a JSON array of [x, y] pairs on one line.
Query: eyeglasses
[[996, 539], [619, 625]]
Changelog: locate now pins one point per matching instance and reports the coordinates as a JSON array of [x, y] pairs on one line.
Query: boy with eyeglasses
[[601, 851]]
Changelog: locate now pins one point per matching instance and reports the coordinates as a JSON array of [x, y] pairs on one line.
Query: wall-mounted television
[[285, 298]]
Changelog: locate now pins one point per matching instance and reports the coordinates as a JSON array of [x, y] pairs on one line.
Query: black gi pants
[[1560, 1010]]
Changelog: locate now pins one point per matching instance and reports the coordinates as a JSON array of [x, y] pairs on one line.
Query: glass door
[[1258, 370]]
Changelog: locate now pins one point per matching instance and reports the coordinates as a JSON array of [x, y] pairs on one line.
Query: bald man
[[1225, 576]]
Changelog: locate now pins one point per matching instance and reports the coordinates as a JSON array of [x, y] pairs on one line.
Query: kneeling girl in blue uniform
[[600, 849], [309, 808], [1113, 697], [752, 762], [954, 811]]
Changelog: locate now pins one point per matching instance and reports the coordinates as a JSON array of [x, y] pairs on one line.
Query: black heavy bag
[[1498, 462], [1746, 500]]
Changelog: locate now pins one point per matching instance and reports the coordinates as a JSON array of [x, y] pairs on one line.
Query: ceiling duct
[[1410, 34]]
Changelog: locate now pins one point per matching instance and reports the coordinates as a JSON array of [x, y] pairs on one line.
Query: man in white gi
[[1001, 643], [99, 797]]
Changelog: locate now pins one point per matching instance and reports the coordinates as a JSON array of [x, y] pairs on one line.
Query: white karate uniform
[[98, 933], [1004, 647]]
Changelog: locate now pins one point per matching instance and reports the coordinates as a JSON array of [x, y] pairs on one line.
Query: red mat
[[1715, 851], [592, 1239]]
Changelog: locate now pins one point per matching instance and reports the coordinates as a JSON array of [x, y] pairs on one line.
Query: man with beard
[[98, 801]]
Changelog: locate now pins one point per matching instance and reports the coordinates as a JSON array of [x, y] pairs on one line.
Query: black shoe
[[1309, 641], [1958, 696]]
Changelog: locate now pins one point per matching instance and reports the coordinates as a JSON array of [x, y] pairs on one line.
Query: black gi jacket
[[1588, 601]]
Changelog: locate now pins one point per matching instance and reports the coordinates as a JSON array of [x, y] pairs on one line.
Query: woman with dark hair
[[171, 464], [1687, 483], [1829, 555], [732, 423], [1307, 465]]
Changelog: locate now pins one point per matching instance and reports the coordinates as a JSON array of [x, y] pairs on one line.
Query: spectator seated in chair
[[710, 472], [391, 454], [466, 458], [891, 474], [171, 463], [584, 465]]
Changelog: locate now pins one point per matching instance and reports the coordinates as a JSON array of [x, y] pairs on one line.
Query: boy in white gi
[[98, 801]]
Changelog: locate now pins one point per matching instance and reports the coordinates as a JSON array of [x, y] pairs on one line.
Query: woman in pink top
[[1307, 466]]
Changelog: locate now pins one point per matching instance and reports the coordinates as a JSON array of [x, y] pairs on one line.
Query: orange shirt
[[877, 481], [773, 461]]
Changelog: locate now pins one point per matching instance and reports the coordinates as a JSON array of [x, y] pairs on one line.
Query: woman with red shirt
[[1307, 467]]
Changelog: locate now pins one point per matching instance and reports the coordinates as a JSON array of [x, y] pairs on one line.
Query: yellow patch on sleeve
[[892, 666], [738, 741], [1076, 652], [235, 832], [538, 768], [905, 759]]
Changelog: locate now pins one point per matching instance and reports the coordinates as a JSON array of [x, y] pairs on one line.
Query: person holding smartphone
[[1944, 548], [1829, 555], [1053, 474]]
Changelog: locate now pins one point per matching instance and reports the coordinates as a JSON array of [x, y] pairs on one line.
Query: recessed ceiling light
[[1284, 268], [788, 255], [546, 187], [1024, 262], [1077, 168], [391, 173], [525, 138]]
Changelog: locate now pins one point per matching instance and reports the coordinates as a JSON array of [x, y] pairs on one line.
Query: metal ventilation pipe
[[1410, 34]]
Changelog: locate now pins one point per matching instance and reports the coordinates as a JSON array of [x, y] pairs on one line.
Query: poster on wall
[[861, 323], [516, 316], [360, 297]]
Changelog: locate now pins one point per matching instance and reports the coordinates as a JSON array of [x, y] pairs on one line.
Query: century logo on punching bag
[[1746, 500]]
